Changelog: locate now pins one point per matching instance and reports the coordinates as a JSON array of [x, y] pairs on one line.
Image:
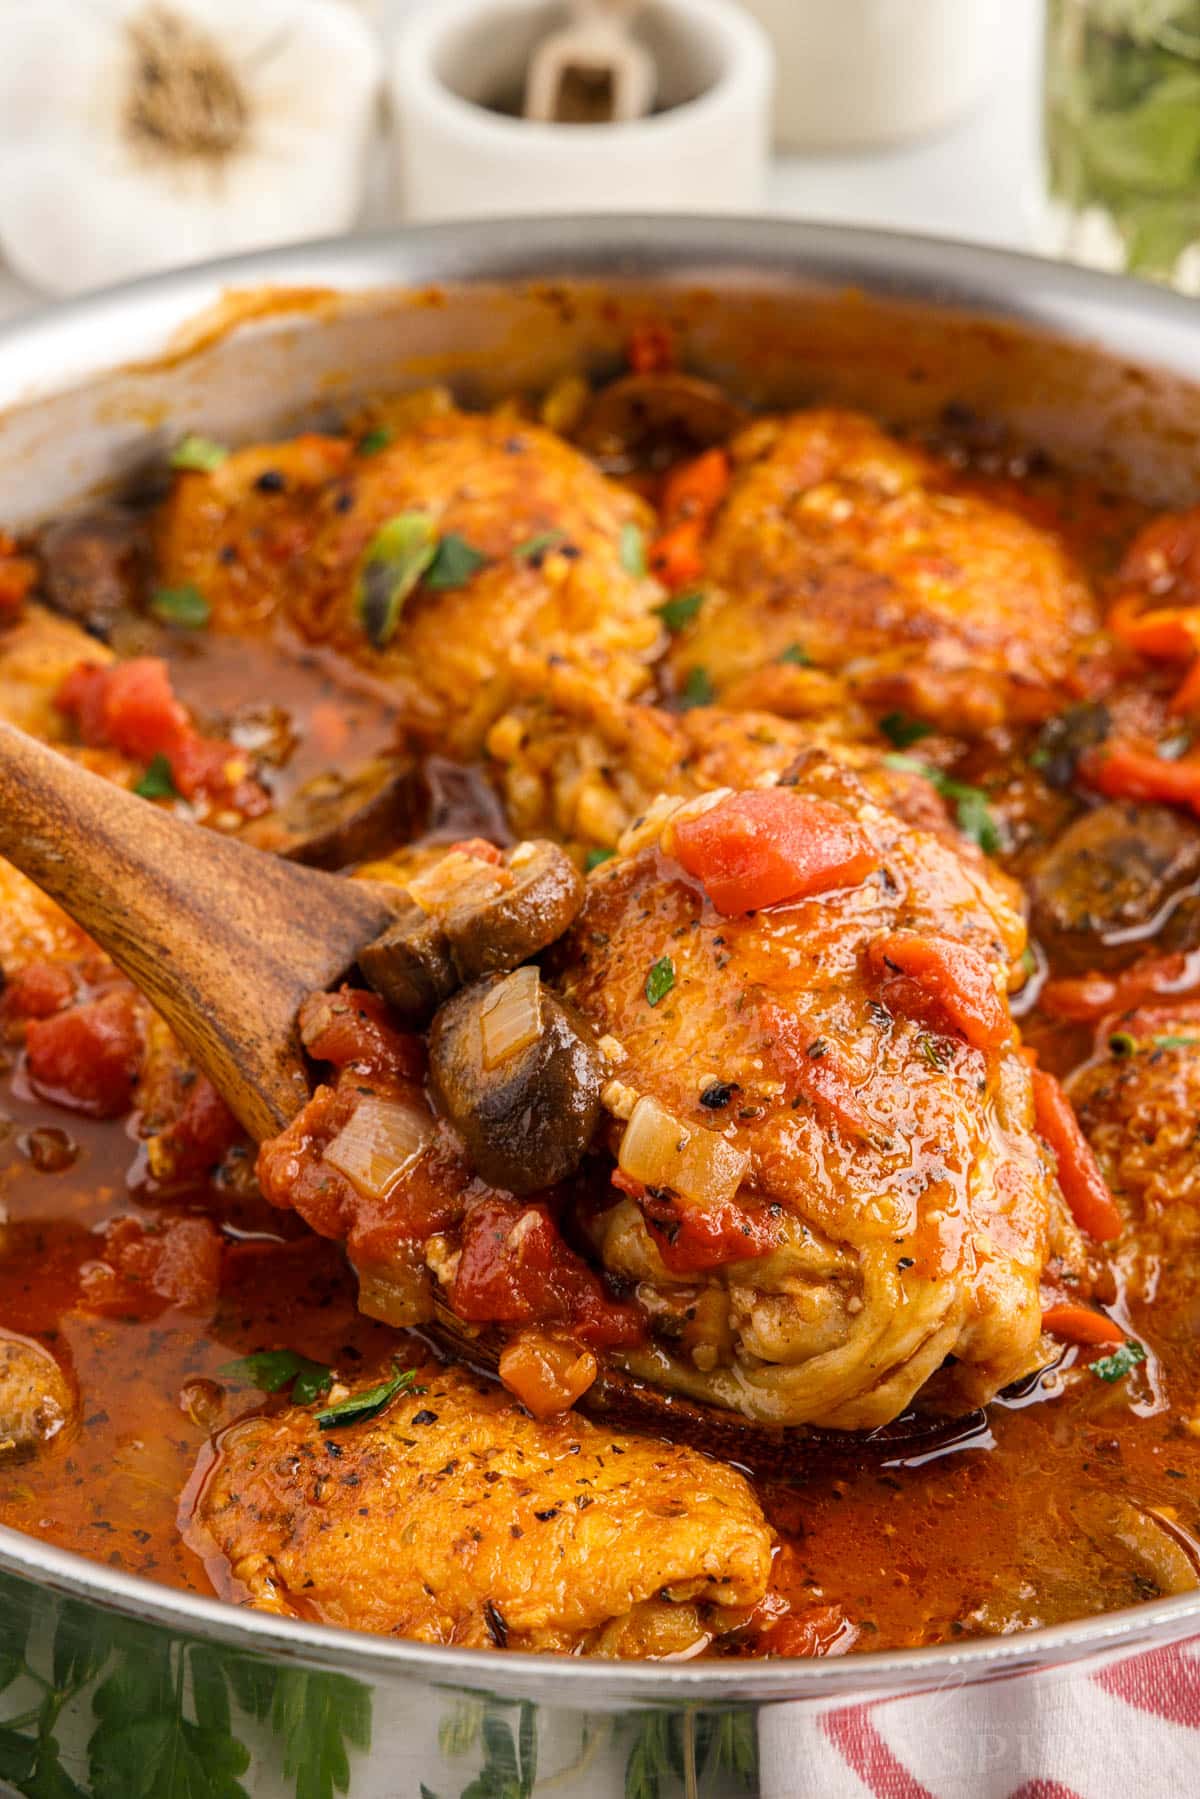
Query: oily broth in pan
[[1072, 1498]]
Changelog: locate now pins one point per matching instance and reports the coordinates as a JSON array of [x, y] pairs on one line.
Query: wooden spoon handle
[[224, 940]]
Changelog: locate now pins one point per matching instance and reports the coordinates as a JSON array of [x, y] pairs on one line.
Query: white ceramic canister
[[463, 151], [854, 74]]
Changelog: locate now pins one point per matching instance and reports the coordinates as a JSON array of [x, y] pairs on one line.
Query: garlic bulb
[[137, 135]]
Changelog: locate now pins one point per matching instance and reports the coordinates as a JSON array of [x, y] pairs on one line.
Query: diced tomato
[[818, 1630], [38, 991], [694, 1237], [516, 1269], [691, 495], [195, 1143], [695, 489], [940, 982], [1125, 771], [650, 349], [17, 575], [352, 1029], [88, 1057], [1083, 1186], [480, 849], [1081, 1324], [131, 707], [142, 1271], [676, 556], [1086, 998], [811, 1071], [1164, 558], [770, 845]]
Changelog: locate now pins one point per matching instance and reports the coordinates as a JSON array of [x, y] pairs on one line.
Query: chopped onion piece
[[457, 874], [511, 1017], [547, 1374], [376, 1145], [396, 1292], [697, 1164]]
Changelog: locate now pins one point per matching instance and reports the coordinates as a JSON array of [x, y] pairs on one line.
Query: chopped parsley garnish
[[1174, 1042], [972, 812], [454, 563], [272, 1369], [396, 558], [539, 545], [372, 442], [660, 979], [1121, 1043], [902, 730], [1121, 1362], [184, 606], [797, 655], [936, 1054], [596, 857], [680, 611], [157, 783], [199, 453], [359, 1407], [633, 550], [697, 689]]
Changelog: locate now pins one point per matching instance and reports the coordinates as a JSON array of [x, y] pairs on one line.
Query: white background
[[978, 180]]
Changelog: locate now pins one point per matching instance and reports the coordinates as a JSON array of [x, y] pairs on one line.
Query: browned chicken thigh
[[456, 1518], [842, 547]]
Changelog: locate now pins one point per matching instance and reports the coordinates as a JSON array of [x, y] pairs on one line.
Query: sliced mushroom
[[518, 1074], [94, 567], [35, 1397], [410, 965], [503, 915], [1107, 884], [644, 413], [336, 820]]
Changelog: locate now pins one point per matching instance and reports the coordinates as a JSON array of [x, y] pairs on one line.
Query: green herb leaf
[[157, 783], [538, 545], [633, 550], [396, 558], [272, 1369], [359, 1407], [660, 979], [972, 812], [595, 858], [372, 442], [454, 563], [902, 730], [797, 655], [184, 606], [1122, 1044], [1174, 1042], [200, 453], [681, 610], [697, 689], [1114, 1367]]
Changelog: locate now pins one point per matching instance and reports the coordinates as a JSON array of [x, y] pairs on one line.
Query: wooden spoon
[[224, 940]]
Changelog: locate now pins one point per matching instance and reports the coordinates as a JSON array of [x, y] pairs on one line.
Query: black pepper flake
[[817, 1048], [905, 1262], [718, 1095], [545, 1517], [270, 481], [515, 1531], [227, 554], [424, 1417], [497, 1629]]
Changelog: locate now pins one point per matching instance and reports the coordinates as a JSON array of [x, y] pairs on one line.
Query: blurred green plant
[[93, 1706], [1122, 121]]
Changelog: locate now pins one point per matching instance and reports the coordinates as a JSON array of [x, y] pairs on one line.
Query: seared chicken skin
[[456, 1518], [840, 546], [291, 528], [872, 1125]]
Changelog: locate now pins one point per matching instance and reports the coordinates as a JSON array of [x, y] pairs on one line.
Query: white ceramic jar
[[853, 74], [463, 151]]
